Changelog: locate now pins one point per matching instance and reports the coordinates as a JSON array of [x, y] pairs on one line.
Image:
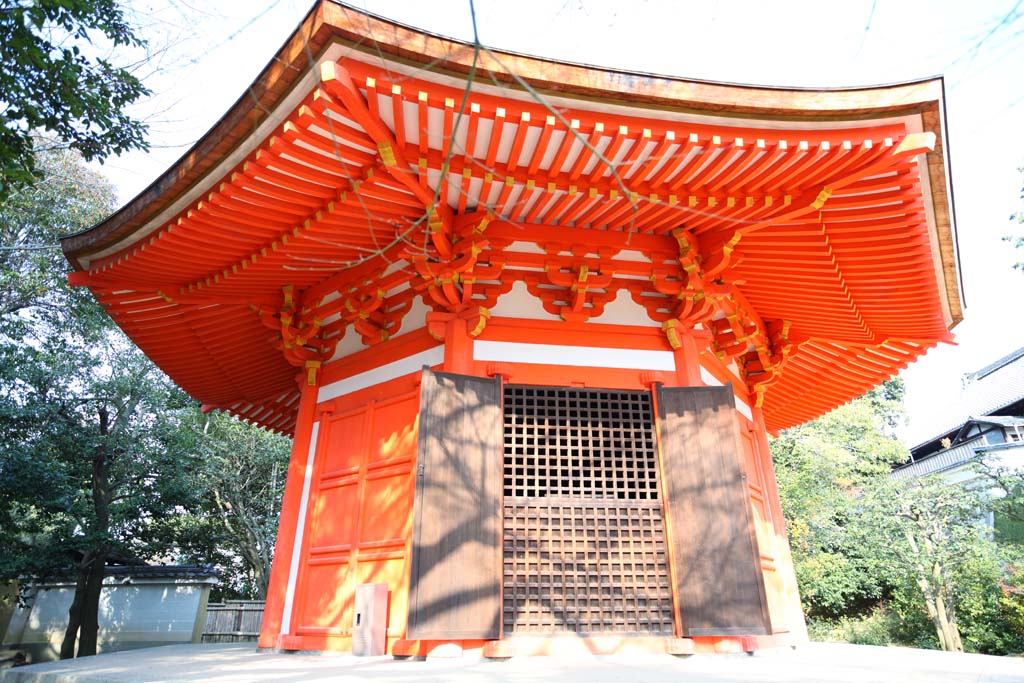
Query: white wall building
[[139, 607]]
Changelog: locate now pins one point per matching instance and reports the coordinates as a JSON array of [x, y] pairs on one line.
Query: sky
[[202, 56]]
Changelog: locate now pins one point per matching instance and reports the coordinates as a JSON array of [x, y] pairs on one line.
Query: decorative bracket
[[300, 341], [476, 320]]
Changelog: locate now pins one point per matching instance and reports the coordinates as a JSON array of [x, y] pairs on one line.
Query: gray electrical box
[[370, 624]]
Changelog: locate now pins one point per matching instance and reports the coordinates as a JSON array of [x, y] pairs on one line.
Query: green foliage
[[39, 335], [986, 606], [1011, 603], [822, 468], [50, 81], [1017, 240], [911, 626], [937, 538], [67, 197], [1008, 503], [877, 627], [71, 409], [77, 399], [102, 458], [880, 561], [201, 489], [1008, 529], [239, 480]]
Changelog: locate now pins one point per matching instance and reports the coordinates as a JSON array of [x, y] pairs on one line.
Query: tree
[[916, 551], [937, 536], [823, 468], [931, 530], [87, 454], [50, 81], [102, 459], [95, 425], [239, 478], [1017, 240], [66, 197], [1007, 482], [34, 300]]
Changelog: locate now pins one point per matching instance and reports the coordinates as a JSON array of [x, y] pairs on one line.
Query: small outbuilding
[[140, 606]]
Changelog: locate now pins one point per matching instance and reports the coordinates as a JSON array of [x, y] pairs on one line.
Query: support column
[[287, 540], [687, 345], [458, 347], [457, 331], [784, 558]]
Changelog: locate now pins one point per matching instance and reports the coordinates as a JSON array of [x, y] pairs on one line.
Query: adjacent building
[[983, 423], [140, 606]]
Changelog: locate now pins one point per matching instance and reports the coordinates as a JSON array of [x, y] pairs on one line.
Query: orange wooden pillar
[[794, 617], [687, 346], [280, 592], [458, 346]]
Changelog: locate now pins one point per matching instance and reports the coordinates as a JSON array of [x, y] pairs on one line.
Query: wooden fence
[[233, 621]]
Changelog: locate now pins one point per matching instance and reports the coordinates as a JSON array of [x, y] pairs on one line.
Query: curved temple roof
[[368, 154]]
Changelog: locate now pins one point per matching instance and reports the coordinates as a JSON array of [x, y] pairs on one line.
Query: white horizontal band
[[383, 373], [576, 356]]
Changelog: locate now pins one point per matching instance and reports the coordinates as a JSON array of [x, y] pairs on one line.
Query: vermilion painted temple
[[530, 324]]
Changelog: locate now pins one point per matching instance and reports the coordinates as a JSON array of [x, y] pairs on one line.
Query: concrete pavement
[[242, 663]]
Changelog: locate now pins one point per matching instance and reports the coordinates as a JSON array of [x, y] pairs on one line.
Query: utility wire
[[867, 29]]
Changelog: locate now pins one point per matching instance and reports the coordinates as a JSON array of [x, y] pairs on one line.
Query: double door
[[563, 509]]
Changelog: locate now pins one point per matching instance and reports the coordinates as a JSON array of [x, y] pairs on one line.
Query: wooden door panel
[[719, 582], [455, 582]]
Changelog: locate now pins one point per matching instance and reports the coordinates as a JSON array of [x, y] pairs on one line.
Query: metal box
[[370, 623]]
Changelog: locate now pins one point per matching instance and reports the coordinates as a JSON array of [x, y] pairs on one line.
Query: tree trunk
[[67, 646], [933, 602], [262, 580], [91, 606], [947, 627], [101, 495], [933, 613], [945, 613], [933, 587], [239, 524]]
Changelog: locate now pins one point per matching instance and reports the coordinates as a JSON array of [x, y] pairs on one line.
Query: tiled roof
[[171, 571], [988, 390]]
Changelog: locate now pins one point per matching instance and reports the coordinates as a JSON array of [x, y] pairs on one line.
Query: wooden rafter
[[381, 187]]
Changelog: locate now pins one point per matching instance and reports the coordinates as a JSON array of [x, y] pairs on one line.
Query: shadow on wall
[[458, 562]]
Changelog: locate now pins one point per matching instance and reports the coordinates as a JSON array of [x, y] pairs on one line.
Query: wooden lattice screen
[[584, 540]]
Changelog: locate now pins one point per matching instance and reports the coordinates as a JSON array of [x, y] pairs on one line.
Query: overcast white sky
[[208, 52]]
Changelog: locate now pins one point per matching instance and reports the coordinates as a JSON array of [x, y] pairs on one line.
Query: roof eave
[[330, 22]]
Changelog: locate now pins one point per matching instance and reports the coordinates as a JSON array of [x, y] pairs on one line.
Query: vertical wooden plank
[[719, 583], [455, 579]]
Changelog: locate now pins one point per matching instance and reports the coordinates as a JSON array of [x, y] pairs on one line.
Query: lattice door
[[584, 538]]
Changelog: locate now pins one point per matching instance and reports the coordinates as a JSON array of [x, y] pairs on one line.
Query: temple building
[[530, 324]]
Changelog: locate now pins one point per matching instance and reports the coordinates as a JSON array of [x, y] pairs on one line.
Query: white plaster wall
[[136, 614]]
